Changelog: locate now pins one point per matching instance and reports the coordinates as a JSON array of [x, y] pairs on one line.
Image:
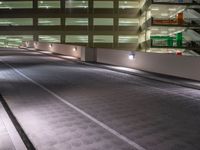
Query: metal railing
[[184, 44], [175, 22], [175, 1]]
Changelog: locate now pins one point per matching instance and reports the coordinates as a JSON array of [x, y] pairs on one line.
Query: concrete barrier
[[168, 64], [70, 50]]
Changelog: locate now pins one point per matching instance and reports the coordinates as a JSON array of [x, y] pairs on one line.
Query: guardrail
[[164, 44], [174, 22]]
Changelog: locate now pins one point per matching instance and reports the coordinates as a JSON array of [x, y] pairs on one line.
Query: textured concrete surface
[[152, 114], [9, 137], [5, 140]]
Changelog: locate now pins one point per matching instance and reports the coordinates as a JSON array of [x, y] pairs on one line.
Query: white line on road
[[120, 136], [14, 135]]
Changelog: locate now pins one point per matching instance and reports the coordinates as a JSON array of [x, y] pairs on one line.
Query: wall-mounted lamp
[[50, 45], [74, 49], [131, 56]]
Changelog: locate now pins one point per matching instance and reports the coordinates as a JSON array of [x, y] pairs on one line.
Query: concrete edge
[[12, 132], [152, 77], [17, 134]]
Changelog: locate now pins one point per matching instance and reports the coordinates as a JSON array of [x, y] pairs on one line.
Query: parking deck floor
[[64, 105]]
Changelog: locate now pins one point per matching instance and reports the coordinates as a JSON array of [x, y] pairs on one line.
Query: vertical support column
[[62, 38], [90, 23], [35, 20], [179, 38], [35, 37], [62, 20], [35, 4], [116, 23]]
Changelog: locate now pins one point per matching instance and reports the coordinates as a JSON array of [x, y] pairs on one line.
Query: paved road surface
[[64, 105]]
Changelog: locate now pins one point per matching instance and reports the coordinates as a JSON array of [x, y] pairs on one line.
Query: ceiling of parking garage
[[161, 11]]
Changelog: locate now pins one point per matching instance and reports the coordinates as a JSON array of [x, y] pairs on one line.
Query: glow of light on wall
[[131, 56]]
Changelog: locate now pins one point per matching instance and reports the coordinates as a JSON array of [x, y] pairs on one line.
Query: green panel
[[128, 39], [103, 21], [76, 21], [48, 21], [103, 39], [76, 39], [179, 38], [128, 22], [14, 40], [49, 38], [128, 4], [159, 37], [16, 22], [48, 4], [15, 4], [76, 4], [170, 41], [103, 4]]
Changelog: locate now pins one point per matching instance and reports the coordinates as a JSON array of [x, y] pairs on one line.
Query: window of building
[[103, 39], [76, 21], [15, 4], [48, 21], [16, 22], [49, 38], [49, 4], [76, 4], [76, 38], [14, 40], [128, 22], [128, 4], [103, 21], [103, 4], [127, 39]]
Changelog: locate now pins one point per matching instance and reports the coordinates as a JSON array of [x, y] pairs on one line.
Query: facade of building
[[147, 25], [171, 26]]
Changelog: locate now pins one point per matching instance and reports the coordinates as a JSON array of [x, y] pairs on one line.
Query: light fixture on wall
[[131, 56], [75, 49], [27, 43], [50, 45]]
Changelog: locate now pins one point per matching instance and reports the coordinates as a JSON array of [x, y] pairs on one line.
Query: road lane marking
[[120, 136]]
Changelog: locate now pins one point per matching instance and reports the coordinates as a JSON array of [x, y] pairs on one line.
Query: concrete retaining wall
[[69, 50], [169, 64]]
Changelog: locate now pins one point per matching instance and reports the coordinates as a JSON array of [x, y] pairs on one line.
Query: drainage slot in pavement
[[18, 127]]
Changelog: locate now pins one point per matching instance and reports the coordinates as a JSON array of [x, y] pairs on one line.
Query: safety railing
[[176, 22], [175, 1], [174, 44]]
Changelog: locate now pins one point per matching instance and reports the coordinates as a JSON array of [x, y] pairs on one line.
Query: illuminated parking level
[[62, 104], [156, 26]]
